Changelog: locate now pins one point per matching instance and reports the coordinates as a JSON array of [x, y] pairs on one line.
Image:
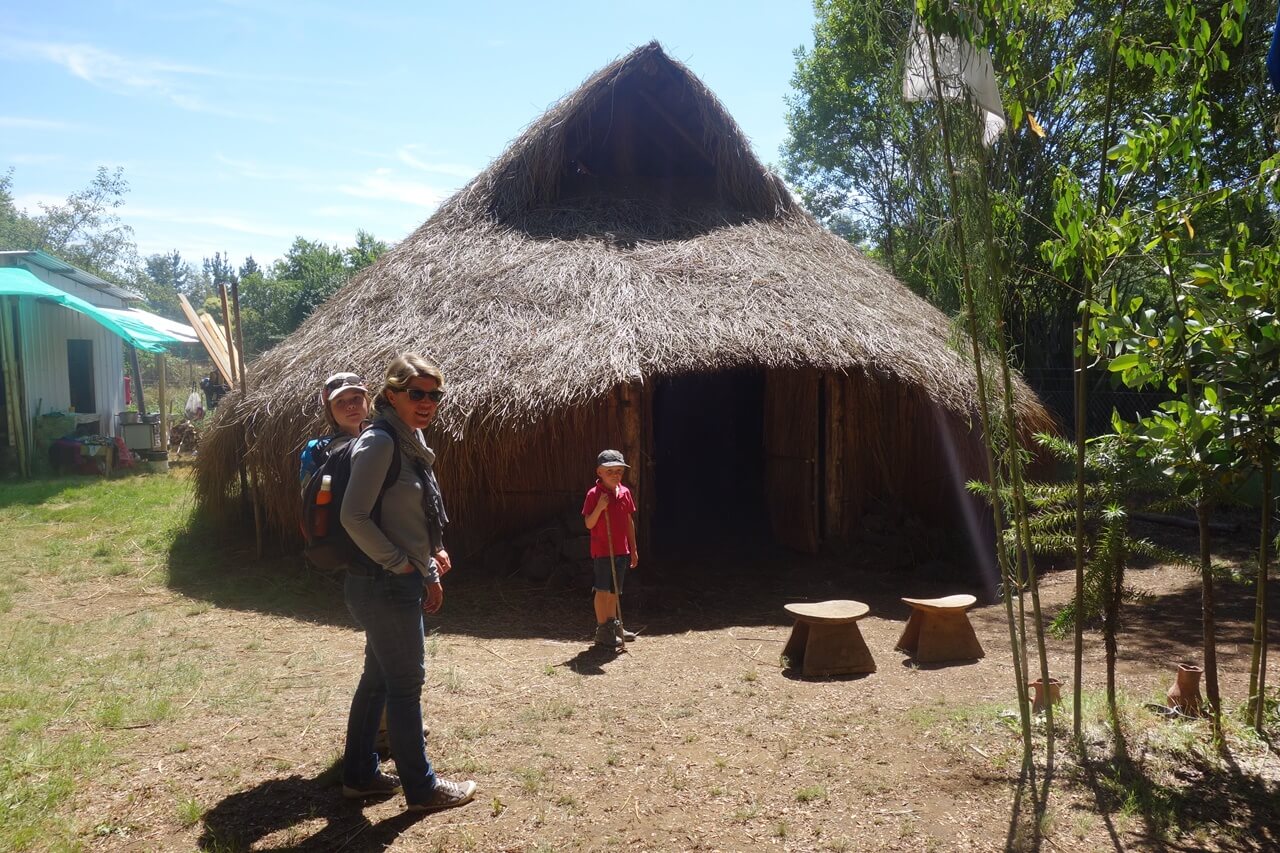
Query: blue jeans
[[389, 609]]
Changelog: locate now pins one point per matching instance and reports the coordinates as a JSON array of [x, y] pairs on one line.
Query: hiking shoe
[[607, 636], [445, 795], [381, 785], [622, 633]]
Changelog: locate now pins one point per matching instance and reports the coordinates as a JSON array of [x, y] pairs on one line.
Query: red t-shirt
[[621, 506]]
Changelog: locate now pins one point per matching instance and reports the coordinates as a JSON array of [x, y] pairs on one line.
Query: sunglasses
[[341, 379], [417, 395]]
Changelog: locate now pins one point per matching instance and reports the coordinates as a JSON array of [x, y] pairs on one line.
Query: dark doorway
[[709, 466], [84, 396]]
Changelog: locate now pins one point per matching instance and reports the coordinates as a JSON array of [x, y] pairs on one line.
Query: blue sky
[[241, 124]]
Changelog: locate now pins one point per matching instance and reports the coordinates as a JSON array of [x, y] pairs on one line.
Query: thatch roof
[[628, 233]]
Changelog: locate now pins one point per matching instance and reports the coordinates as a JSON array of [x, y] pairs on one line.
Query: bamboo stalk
[[967, 294], [1081, 399], [1258, 655], [1209, 627]]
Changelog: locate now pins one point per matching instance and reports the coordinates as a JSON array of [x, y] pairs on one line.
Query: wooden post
[[244, 392], [226, 325], [137, 378], [630, 405], [164, 405], [13, 387]]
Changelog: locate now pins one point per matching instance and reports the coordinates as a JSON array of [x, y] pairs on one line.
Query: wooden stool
[[939, 630], [825, 639]]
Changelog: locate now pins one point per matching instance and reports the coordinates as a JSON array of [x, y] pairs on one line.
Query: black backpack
[[332, 548]]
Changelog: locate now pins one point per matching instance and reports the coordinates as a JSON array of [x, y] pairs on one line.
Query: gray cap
[[611, 459]]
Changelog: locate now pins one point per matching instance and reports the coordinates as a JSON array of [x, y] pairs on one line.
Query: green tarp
[[135, 330]]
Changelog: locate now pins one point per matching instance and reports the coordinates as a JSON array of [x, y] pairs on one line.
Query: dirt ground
[[695, 739]]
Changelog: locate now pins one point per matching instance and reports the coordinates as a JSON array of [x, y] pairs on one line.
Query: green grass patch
[[73, 674]]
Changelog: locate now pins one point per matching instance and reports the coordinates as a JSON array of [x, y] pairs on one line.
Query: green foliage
[[85, 231], [869, 166]]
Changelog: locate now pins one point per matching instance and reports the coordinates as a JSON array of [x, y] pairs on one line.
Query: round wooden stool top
[[829, 612], [949, 602]]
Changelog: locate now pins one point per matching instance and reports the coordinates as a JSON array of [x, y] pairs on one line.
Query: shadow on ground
[[298, 814], [695, 592], [1183, 801], [35, 492], [710, 590]]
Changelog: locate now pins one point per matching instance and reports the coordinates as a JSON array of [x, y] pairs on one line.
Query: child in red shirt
[[607, 512]]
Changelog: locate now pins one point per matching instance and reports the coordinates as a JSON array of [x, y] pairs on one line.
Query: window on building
[[80, 371]]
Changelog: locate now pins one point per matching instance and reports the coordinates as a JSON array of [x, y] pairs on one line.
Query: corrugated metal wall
[[44, 330]]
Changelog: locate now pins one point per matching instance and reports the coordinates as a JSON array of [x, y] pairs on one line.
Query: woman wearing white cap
[[345, 399]]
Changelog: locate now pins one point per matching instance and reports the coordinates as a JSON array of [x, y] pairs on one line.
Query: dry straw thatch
[[628, 234]]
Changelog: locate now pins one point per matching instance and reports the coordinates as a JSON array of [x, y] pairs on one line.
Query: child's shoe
[[607, 636]]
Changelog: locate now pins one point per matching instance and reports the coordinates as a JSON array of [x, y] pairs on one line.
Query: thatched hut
[[628, 274]]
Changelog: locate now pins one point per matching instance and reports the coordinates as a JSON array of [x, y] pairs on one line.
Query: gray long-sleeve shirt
[[404, 535]]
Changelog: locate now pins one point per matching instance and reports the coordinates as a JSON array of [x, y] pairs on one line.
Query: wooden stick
[[244, 392], [164, 405], [617, 593], [206, 338], [226, 325], [137, 378], [12, 387]]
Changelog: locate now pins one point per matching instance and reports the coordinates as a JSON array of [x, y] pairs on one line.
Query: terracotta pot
[[1184, 695], [1038, 698]]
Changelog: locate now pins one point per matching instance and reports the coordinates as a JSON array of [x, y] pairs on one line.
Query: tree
[[318, 271], [83, 230], [218, 270], [17, 229], [856, 152], [365, 252]]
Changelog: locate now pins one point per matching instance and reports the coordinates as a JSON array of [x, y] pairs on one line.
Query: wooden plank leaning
[[219, 354]]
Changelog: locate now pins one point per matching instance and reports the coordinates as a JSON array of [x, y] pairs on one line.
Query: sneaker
[[606, 635], [381, 785], [622, 633], [445, 795]]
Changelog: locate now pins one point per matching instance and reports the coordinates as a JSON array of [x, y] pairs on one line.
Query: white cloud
[[226, 222], [385, 188], [407, 155], [33, 202], [20, 123], [33, 159], [339, 211], [267, 171], [126, 75]]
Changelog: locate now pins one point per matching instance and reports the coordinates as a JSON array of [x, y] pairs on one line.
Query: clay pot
[[1184, 695], [1038, 697]]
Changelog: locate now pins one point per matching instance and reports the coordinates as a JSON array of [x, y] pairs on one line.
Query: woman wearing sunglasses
[[400, 529]]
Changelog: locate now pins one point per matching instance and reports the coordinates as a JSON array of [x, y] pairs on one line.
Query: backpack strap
[[393, 470]]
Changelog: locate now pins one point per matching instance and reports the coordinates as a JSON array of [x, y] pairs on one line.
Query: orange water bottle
[[320, 525]]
